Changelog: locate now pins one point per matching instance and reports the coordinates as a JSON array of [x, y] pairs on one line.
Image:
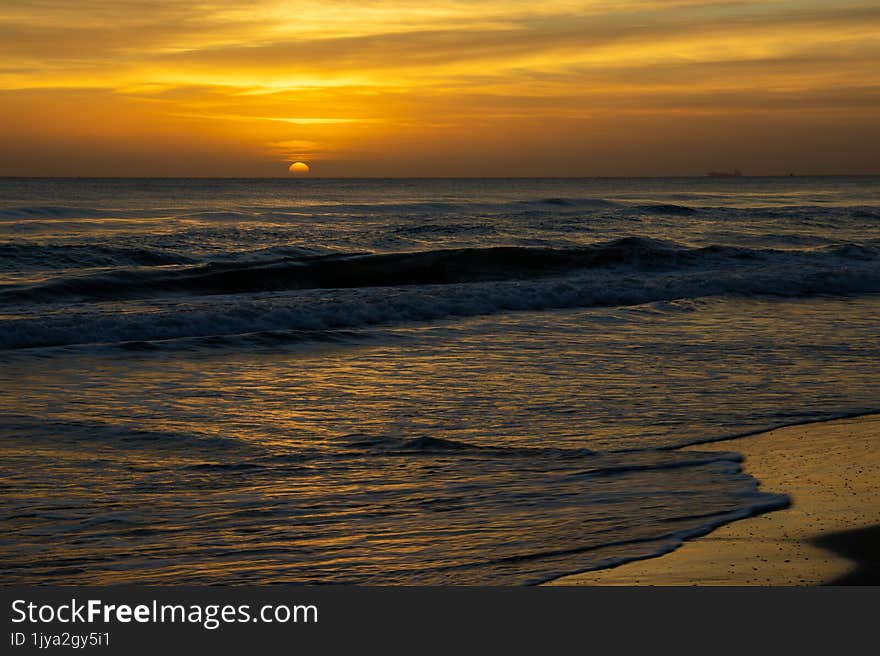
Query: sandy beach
[[829, 534]]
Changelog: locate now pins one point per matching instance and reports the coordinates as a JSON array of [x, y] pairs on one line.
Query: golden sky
[[455, 87]]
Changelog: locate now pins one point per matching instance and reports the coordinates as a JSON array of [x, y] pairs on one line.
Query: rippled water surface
[[221, 381]]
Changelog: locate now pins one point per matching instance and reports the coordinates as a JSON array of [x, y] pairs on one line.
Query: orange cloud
[[384, 87]]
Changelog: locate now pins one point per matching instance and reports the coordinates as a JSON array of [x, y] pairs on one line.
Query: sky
[[386, 88]]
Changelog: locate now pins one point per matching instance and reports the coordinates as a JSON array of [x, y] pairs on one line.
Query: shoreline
[[829, 535]]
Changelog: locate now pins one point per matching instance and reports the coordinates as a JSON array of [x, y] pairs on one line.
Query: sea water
[[410, 381]]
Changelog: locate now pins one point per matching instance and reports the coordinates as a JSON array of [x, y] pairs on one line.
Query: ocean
[[411, 381]]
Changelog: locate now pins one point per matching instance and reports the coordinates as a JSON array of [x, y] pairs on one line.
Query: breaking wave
[[293, 271], [380, 290]]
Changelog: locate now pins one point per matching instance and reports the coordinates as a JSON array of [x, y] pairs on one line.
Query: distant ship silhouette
[[736, 173]]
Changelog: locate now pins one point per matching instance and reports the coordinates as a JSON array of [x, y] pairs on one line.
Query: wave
[[445, 229], [231, 453], [590, 463], [628, 255], [295, 271], [299, 314], [51, 212], [270, 254], [77, 431], [298, 211], [663, 208], [31, 255], [572, 202]]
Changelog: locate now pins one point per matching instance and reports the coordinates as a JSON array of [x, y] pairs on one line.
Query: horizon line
[[437, 177]]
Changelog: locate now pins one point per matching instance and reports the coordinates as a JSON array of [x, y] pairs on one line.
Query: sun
[[299, 168]]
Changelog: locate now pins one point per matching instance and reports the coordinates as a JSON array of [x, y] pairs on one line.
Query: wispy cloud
[[381, 76]]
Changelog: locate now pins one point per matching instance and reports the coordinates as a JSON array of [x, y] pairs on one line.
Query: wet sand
[[829, 535]]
